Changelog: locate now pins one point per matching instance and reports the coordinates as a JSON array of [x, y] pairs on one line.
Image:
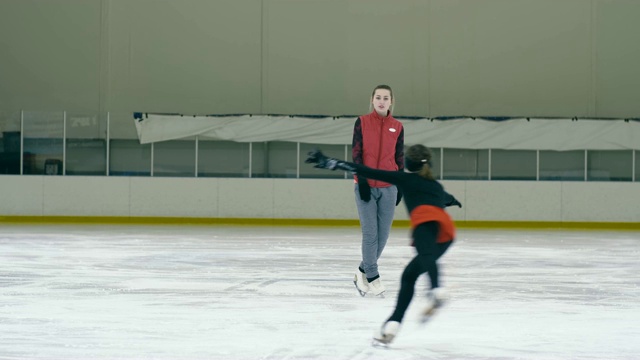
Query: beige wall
[[443, 57]]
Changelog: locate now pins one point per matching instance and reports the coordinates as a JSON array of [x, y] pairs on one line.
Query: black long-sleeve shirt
[[417, 190]]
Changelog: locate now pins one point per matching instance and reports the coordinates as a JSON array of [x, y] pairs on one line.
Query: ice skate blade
[[382, 343], [424, 319], [427, 314], [362, 293]]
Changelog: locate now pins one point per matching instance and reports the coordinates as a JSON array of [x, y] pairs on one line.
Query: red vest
[[379, 138]]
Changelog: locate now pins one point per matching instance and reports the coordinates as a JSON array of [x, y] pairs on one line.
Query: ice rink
[[232, 292]]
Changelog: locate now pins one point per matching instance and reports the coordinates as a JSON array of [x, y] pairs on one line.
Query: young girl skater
[[378, 142], [432, 228]]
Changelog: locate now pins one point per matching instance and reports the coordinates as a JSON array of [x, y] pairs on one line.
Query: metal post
[[633, 165], [489, 170], [64, 142], [21, 142], [152, 148], [537, 165], [197, 147], [586, 172], [250, 158], [297, 160], [346, 151], [108, 141]]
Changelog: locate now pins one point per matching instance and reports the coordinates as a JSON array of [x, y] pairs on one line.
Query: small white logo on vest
[[392, 129]]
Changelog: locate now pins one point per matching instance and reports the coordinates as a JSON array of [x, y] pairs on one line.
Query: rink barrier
[[126, 220]]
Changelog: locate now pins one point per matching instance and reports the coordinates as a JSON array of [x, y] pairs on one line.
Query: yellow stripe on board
[[543, 225], [124, 220]]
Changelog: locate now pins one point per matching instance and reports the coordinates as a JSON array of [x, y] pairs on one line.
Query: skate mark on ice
[[282, 353], [342, 307], [242, 286], [268, 282]]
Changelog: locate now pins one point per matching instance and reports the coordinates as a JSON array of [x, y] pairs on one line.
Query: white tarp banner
[[464, 133]]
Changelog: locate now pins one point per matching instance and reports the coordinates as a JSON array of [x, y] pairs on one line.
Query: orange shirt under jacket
[[426, 213]]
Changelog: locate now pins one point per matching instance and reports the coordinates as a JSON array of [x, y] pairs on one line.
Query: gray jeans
[[376, 217]]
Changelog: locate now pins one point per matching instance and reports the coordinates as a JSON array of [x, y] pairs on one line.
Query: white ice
[[218, 292]]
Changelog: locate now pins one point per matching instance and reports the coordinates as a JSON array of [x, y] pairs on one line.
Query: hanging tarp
[[464, 133]]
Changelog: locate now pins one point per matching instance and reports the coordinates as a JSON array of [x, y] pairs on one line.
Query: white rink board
[[305, 199]]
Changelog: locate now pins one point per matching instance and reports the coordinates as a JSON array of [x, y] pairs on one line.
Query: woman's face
[[382, 101]]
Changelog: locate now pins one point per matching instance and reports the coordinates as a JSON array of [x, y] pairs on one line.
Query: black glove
[[399, 198], [364, 189], [323, 162]]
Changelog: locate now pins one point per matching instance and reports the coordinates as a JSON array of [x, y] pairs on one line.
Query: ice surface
[[218, 292]]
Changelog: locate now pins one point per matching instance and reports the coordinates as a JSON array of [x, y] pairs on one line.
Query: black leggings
[[429, 250]]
